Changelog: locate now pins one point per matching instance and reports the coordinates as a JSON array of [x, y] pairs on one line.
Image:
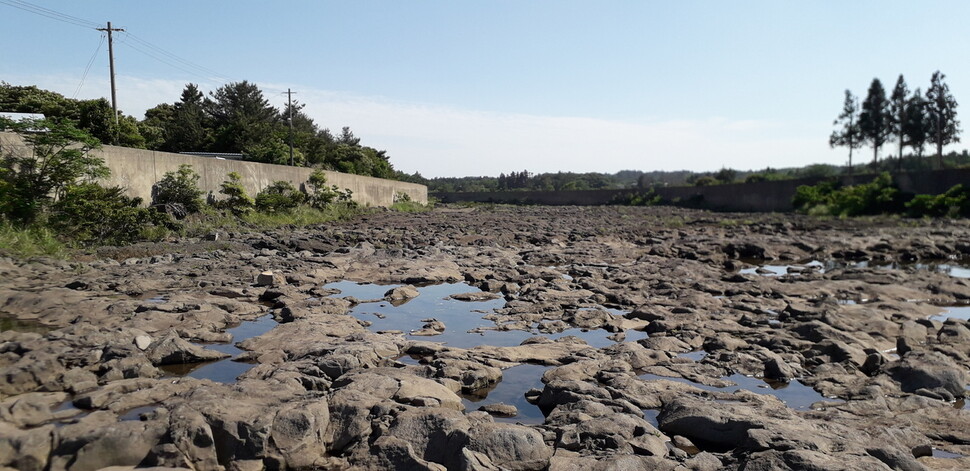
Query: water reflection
[[225, 370], [516, 381], [795, 394], [465, 326], [9, 322]]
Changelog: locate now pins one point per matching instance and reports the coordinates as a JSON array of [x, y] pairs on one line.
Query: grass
[[301, 216], [410, 207], [25, 242]]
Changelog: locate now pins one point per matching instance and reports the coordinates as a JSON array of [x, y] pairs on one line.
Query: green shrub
[[879, 196], [237, 201], [706, 180], [322, 195], [955, 202], [281, 196], [180, 187], [92, 214]]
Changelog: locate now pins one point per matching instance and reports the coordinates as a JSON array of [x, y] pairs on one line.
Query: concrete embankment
[[137, 170]]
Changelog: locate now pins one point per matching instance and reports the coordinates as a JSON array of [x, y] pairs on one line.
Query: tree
[[874, 120], [180, 187], [916, 125], [848, 133], [941, 110], [32, 178], [241, 117], [897, 114], [188, 130]]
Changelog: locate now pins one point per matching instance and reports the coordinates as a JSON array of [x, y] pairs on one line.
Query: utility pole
[[111, 64], [289, 107]]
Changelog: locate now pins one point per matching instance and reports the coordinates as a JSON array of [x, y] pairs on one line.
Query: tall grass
[[23, 242]]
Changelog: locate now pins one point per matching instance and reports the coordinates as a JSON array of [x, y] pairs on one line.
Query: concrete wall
[[772, 196], [137, 170]]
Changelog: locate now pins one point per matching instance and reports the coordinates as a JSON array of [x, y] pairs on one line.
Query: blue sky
[[478, 88]]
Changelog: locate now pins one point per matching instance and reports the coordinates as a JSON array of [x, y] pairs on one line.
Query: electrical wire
[[174, 57], [134, 42], [88, 67], [54, 15]]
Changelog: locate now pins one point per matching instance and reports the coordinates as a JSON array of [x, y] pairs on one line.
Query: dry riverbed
[[522, 338]]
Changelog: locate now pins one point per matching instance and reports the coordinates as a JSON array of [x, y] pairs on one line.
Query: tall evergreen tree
[[897, 113], [188, 130], [916, 125], [874, 121], [241, 117], [847, 133], [941, 110]]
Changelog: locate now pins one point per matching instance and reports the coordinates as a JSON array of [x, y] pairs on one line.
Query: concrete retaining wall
[[137, 170], [773, 196]]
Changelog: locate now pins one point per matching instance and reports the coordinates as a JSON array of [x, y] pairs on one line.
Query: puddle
[[516, 381], [952, 269], [9, 322], [650, 415], [361, 291], [938, 453], [225, 370], [459, 317], [135, 414], [696, 356], [953, 312], [795, 394], [780, 270]]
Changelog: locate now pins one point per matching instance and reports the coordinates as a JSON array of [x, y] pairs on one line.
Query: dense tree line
[[908, 119], [235, 118]]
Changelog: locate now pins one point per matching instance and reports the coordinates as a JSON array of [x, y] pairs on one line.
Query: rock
[[510, 446], [500, 409], [472, 376], [778, 369], [271, 279], [143, 342], [172, 350], [476, 296], [401, 293], [930, 371], [25, 450]]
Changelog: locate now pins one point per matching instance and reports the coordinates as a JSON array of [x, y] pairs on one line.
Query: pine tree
[[847, 134], [897, 113], [874, 120], [941, 110]]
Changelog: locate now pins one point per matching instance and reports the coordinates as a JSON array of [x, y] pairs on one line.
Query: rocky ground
[[87, 378]]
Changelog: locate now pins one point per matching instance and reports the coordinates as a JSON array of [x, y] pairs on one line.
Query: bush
[[879, 196], [281, 196], [92, 214], [180, 187], [706, 180], [955, 202], [237, 201], [321, 195]]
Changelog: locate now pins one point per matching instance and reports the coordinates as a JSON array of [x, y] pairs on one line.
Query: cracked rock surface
[[733, 341]]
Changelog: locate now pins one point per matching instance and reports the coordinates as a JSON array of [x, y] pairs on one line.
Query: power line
[[88, 67], [48, 13], [176, 58]]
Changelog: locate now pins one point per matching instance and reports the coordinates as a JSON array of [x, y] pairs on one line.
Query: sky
[[463, 88]]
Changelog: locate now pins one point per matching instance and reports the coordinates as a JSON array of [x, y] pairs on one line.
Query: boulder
[[173, 350], [401, 293], [271, 279]]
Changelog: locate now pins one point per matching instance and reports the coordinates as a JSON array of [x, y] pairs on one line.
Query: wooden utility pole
[[289, 107], [111, 65]]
